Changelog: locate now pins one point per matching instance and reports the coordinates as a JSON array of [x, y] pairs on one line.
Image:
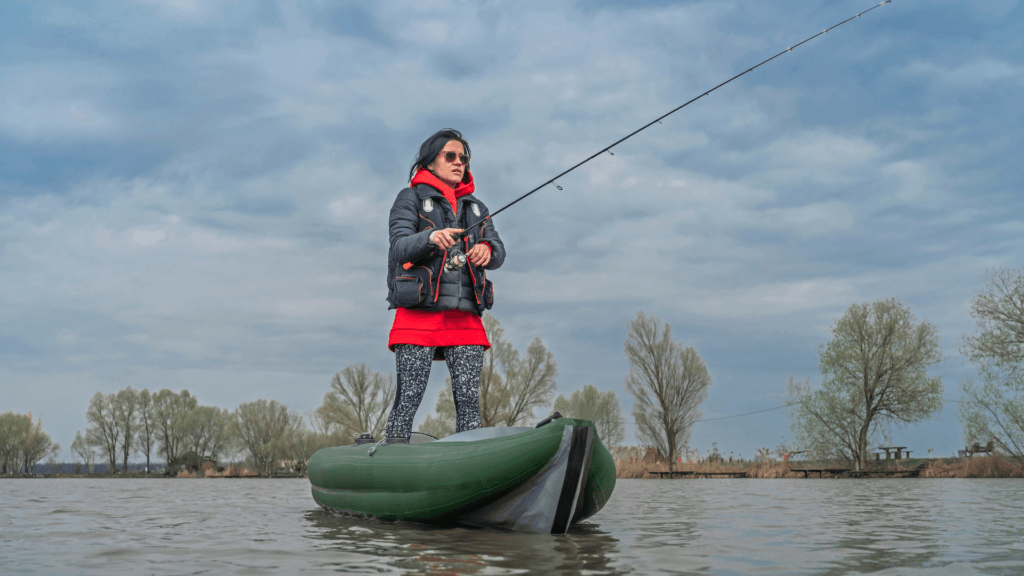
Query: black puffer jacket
[[425, 284]]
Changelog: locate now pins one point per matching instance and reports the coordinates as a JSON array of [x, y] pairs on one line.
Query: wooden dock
[[693, 474], [884, 473], [807, 472], [821, 471]]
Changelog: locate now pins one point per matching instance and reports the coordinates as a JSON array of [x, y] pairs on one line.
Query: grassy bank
[[990, 467], [637, 468], [977, 467]]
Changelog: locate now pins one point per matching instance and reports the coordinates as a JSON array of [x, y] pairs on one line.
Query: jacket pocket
[[488, 297], [408, 291]]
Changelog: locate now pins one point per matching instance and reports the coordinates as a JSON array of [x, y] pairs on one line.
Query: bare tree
[[495, 395], [51, 460], [124, 406], [511, 386], [530, 383], [13, 427], [358, 401], [263, 427], [301, 444], [81, 448], [875, 375], [104, 430], [35, 445], [170, 418], [325, 431], [442, 422], [992, 408], [601, 408], [146, 425], [668, 383], [823, 423], [207, 431]]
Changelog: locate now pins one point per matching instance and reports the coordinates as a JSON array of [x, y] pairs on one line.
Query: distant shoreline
[[976, 467], [136, 477]]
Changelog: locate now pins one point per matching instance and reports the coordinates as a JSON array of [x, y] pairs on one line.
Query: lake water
[[790, 526]]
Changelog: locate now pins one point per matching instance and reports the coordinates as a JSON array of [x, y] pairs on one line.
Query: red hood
[[424, 176]]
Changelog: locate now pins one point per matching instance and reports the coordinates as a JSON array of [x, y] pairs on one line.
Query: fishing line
[[607, 149], [739, 415], [746, 413]]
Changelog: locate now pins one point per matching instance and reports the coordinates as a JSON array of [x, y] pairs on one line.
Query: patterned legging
[[413, 367]]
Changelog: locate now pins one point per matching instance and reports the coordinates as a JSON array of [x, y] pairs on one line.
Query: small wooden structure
[[899, 452], [821, 471], [977, 448], [697, 474]]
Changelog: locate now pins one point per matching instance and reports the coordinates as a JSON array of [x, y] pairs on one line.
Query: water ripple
[[797, 526]]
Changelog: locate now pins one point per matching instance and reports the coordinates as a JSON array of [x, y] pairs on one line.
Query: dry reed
[[232, 471], [988, 467], [631, 468], [771, 470]]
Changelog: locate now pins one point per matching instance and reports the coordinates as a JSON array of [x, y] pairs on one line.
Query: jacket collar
[[424, 176]]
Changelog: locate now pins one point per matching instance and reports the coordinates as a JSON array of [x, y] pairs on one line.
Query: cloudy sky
[[195, 194]]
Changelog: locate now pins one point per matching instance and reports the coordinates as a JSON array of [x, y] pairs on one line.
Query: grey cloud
[[230, 235], [350, 20]]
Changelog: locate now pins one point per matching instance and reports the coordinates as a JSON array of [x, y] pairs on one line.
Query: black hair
[[433, 146]]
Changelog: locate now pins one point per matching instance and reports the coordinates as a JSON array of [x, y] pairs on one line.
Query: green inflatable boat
[[525, 479]]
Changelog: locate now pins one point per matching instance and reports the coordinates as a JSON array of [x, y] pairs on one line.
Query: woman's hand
[[479, 255], [443, 238]]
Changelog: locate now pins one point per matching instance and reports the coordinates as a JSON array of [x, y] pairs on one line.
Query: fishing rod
[[455, 261]]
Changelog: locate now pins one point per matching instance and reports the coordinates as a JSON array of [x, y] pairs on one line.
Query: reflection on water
[[791, 526], [913, 542], [418, 549]]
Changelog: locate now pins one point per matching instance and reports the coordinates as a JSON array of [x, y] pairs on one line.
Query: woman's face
[[449, 172]]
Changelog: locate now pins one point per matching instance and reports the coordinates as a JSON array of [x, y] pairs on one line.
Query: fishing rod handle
[[465, 232]]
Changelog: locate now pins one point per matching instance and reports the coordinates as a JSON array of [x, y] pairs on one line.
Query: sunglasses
[[451, 156]]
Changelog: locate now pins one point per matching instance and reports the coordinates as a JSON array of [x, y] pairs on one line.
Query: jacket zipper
[[471, 275], [437, 292]]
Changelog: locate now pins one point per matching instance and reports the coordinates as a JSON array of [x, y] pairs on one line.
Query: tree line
[[875, 376], [23, 444], [668, 382], [177, 428]]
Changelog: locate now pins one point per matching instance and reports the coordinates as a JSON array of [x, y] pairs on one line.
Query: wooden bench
[[898, 452], [977, 448]]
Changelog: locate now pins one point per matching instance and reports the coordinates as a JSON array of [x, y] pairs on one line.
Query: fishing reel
[[456, 259]]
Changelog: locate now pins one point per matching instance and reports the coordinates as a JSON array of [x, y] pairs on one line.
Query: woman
[[439, 302]]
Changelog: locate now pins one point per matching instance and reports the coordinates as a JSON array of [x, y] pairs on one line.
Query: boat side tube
[[536, 480], [547, 502]]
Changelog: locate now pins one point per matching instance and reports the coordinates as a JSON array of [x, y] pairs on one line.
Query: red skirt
[[437, 329]]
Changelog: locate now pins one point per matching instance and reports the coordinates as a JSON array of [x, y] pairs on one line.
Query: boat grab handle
[[374, 447], [548, 420]]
